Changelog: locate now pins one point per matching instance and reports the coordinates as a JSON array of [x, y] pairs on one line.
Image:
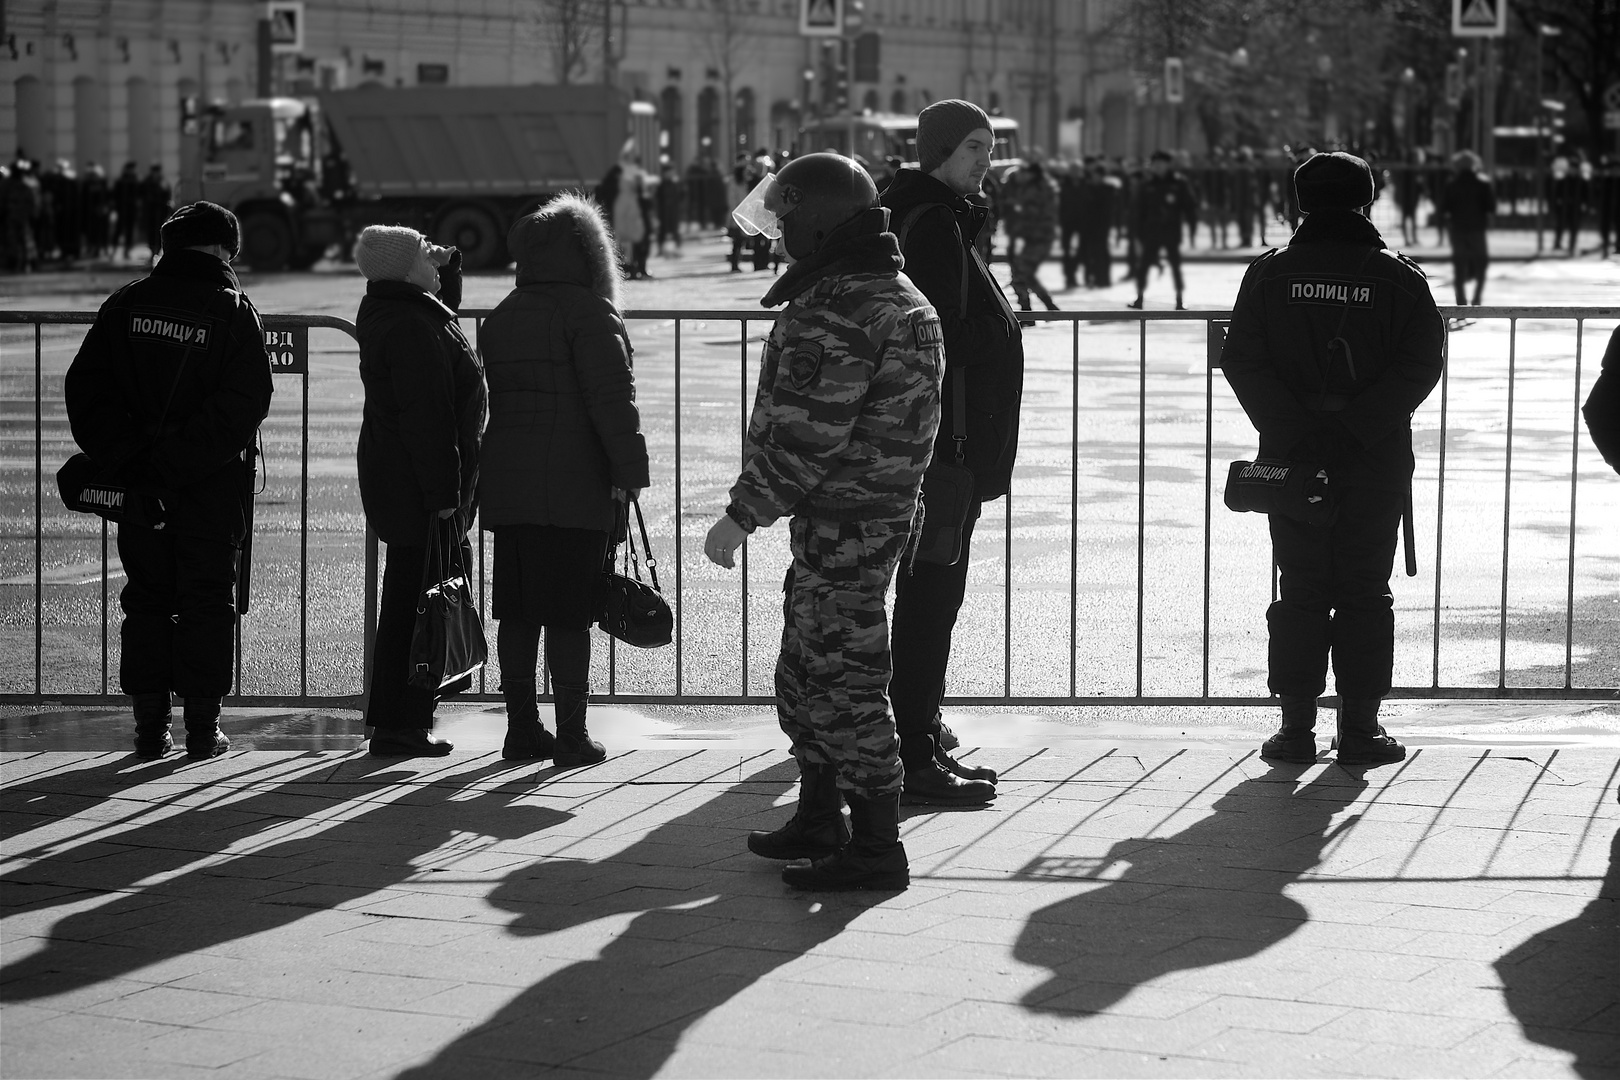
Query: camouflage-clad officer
[[842, 429]]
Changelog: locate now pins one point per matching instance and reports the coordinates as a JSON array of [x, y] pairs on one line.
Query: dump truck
[[458, 163]]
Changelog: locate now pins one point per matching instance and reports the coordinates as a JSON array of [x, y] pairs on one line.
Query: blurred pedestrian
[[1030, 209], [1469, 204], [934, 207], [126, 198], [422, 419], [630, 214], [1606, 195], [1334, 342], [68, 226], [167, 392], [562, 455], [21, 206], [1566, 196], [157, 199], [843, 424], [1409, 193], [670, 200], [1099, 197], [1164, 200], [739, 182], [95, 200]]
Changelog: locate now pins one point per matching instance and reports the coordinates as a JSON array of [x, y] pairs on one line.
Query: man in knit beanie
[[1334, 341], [937, 214]]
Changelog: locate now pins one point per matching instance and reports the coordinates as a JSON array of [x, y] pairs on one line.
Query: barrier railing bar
[[1141, 493], [680, 579], [1074, 513], [1440, 499], [39, 510], [1507, 504], [1574, 476], [742, 452], [1499, 311]]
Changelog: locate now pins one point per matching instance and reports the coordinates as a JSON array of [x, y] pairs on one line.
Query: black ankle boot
[[204, 740], [1295, 741], [817, 828], [931, 782], [526, 737], [1362, 741], [574, 745], [153, 714], [873, 859]]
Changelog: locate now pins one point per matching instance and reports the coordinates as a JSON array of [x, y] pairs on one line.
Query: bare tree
[[569, 30], [732, 41]]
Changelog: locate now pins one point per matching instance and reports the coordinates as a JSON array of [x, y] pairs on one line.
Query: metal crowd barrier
[[668, 676]]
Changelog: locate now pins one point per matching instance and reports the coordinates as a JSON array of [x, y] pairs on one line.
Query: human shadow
[[709, 921], [1563, 984], [358, 853], [39, 800], [1209, 894]]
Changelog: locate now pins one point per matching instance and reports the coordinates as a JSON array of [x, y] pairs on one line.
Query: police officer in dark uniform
[[169, 389], [1334, 341]]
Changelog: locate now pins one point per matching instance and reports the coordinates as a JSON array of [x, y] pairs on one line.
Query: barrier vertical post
[[39, 512], [1507, 506], [1574, 479]]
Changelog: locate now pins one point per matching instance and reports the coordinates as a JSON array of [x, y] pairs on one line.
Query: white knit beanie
[[387, 252]]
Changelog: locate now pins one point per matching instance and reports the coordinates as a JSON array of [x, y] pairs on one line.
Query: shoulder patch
[[805, 364], [926, 330], [1334, 292], [166, 328]]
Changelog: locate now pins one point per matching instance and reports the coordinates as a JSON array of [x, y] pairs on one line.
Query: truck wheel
[[267, 242], [474, 232]]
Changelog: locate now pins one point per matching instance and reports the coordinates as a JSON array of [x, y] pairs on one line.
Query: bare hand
[[725, 537], [447, 513], [625, 494]]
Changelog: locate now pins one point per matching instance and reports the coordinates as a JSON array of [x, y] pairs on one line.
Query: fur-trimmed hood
[[567, 240]]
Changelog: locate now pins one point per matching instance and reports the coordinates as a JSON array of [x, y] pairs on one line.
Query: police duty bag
[[86, 488], [1294, 489]]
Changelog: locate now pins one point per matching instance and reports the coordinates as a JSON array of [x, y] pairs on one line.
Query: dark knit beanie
[[1336, 181], [201, 223], [941, 128]]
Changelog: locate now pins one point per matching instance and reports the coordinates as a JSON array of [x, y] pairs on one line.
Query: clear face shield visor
[[762, 210]]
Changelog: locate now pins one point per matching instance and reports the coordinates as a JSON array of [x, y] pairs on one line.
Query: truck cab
[[262, 159]]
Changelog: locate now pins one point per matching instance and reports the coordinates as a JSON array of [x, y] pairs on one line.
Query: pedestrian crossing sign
[[1478, 18], [821, 18]]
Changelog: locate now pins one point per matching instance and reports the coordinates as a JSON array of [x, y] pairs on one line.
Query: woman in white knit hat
[[419, 438]]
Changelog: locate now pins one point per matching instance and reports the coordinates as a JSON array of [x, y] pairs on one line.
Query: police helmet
[[820, 191]]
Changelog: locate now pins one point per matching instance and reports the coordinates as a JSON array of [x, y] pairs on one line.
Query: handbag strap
[[434, 563], [646, 545], [958, 374]]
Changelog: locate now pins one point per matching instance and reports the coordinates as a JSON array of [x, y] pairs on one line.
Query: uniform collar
[[862, 246], [1336, 227], [196, 266]]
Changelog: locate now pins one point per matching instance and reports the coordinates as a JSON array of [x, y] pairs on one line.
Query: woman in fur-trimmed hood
[[563, 451]]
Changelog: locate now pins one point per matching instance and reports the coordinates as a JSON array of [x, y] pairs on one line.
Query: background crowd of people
[[56, 215]]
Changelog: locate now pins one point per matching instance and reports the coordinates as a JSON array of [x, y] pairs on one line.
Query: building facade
[[104, 80]]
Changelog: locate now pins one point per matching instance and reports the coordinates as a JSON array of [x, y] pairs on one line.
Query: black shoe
[[204, 740], [1363, 742], [1297, 748], [526, 737], [928, 784], [151, 745], [153, 714], [574, 746], [1137, 304], [966, 772], [407, 742], [873, 859], [817, 828]]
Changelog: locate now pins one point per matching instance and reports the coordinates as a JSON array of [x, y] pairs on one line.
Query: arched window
[[669, 120], [897, 101], [868, 50], [33, 119], [89, 130], [743, 121], [708, 124], [140, 122]]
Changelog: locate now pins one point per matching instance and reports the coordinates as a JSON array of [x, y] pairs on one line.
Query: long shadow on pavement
[[1207, 895], [703, 932], [1563, 985], [245, 894]]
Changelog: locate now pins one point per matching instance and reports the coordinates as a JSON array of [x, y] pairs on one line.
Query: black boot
[[153, 713], [948, 762], [407, 742], [1295, 741], [574, 745], [873, 859], [929, 783], [817, 828], [526, 737], [1362, 741], [204, 740]]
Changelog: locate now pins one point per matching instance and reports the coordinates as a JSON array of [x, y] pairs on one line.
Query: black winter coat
[[986, 344], [186, 326], [424, 413], [563, 424], [1602, 409], [1352, 411]]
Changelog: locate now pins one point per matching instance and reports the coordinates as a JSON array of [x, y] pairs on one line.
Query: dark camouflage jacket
[[848, 399]]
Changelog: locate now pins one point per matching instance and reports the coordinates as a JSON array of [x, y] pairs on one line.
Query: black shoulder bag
[[447, 644], [633, 611], [947, 487]]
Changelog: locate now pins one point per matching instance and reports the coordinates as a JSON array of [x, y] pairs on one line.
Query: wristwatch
[[740, 516]]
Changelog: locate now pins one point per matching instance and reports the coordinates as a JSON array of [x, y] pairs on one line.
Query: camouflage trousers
[[832, 678]]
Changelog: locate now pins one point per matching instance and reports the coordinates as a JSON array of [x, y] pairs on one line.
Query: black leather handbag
[[632, 610], [447, 645]]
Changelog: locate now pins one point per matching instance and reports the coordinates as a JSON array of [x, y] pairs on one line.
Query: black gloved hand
[[450, 281]]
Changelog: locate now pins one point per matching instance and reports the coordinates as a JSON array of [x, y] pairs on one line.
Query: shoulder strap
[[958, 374]]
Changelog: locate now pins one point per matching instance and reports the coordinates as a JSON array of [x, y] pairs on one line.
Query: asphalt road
[[1090, 403]]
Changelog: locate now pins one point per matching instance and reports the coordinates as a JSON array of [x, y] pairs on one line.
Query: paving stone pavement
[[1122, 910]]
